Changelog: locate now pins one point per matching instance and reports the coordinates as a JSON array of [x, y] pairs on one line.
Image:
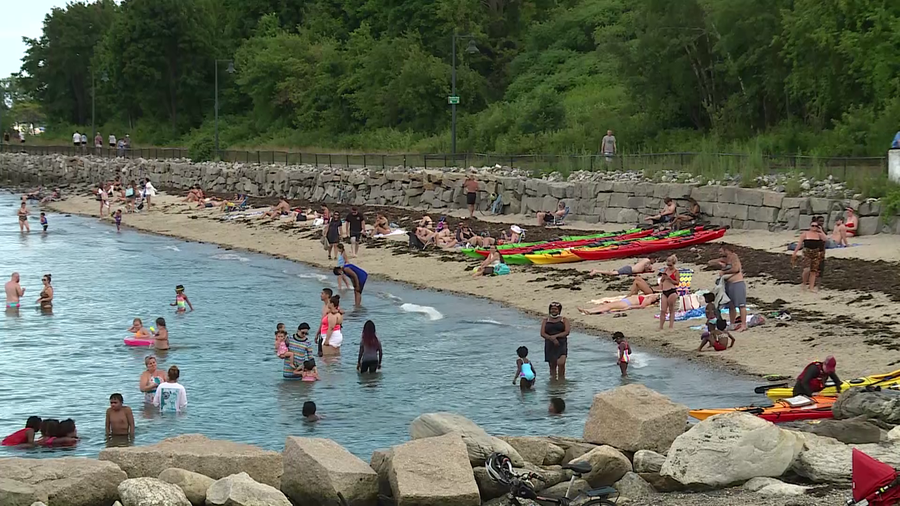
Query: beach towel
[[399, 231], [722, 299]]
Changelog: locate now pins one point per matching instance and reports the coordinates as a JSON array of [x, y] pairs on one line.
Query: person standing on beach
[[730, 265], [356, 227], [14, 292], [149, 191], [555, 331], [471, 187], [608, 146]]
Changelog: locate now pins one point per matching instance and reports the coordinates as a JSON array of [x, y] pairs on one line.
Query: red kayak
[[644, 248], [554, 245]]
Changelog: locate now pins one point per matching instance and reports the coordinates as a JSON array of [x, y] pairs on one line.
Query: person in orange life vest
[[813, 377]]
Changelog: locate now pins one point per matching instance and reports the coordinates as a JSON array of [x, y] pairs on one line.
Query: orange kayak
[[784, 410]]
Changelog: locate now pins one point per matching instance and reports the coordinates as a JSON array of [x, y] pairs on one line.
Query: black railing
[[713, 164]]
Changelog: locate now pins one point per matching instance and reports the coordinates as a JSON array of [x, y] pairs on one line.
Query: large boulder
[[633, 418], [662, 483], [608, 465], [241, 490], [826, 460], [66, 481], [851, 431], [194, 485], [434, 471], [633, 486], [771, 486], [540, 451], [194, 452], [731, 448], [479, 443], [646, 461], [578, 486], [316, 470], [883, 406], [151, 492], [379, 464], [894, 434], [576, 450]]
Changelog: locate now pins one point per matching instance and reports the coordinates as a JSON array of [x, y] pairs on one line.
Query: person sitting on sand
[[53, 197], [281, 209], [195, 194], [465, 236], [486, 268], [717, 338], [666, 214], [548, 217], [513, 236], [425, 235], [426, 222], [444, 237], [839, 235], [382, 226], [640, 267], [852, 222], [625, 304], [690, 217]]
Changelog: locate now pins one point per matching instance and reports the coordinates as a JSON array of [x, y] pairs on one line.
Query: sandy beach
[[858, 326]]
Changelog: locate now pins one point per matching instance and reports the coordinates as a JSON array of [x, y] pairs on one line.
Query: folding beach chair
[[238, 206], [497, 205], [559, 220]]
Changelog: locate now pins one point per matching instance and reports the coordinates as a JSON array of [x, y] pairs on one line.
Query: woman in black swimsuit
[[555, 331], [668, 283], [812, 243], [333, 235]]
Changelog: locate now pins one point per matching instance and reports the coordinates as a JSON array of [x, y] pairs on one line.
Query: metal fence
[[696, 163]]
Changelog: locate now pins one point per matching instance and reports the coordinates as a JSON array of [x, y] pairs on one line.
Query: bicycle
[[500, 469]]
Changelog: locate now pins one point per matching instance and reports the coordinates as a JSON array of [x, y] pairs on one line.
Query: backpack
[[501, 270]]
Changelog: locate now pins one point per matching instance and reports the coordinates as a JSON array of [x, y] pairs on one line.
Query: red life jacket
[[818, 383]]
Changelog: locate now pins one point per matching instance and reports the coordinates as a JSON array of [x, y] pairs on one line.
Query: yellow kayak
[[555, 257], [887, 380]]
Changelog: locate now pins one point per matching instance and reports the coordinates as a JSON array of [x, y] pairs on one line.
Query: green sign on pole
[[452, 100]]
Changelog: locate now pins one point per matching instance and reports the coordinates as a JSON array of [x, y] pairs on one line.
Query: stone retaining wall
[[590, 201]]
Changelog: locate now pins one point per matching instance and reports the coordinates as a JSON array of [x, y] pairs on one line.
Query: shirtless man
[[839, 235], [119, 418], [735, 288], [282, 208], [642, 266], [471, 187], [14, 292], [666, 214]]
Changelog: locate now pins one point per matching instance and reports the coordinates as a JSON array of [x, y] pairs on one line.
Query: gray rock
[[433, 471], [662, 483], [854, 430], [479, 443], [576, 450], [727, 449], [646, 461], [608, 465], [151, 492], [771, 486], [633, 486], [193, 485], [894, 434], [379, 463], [883, 406], [869, 225], [537, 450], [826, 460], [194, 452], [317, 470], [560, 489], [67, 481], [241, 490], [634, 418]]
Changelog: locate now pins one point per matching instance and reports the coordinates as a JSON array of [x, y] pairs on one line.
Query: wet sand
[[854, 315]]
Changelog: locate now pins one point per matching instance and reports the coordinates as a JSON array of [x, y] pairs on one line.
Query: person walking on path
[[471, 187], [608, 146]]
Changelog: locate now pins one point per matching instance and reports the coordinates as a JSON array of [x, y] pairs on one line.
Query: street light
[[230, 70], [103, 77], [471, 48]]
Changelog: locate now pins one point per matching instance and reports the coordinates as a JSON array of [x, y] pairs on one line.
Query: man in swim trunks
[[357, 277], [356, 227], [14, 292], [730, 265], [642, 266], [471, 187]]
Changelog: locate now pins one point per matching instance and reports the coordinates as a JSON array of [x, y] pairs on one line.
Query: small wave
[[430, 312], [486, 321], [230, 256], [320, 277], [639, 361], [170, 247], [389, 296]]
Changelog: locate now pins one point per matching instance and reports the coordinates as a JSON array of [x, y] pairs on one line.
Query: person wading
[[555, 331]]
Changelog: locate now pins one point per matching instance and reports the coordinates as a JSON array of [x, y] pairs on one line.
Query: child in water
[[137, 328], [623, 354], [281, 347], [44, 221], [309, 412], [308, 372], [181, 299], [118, 217], [341, 262], [119, 418], [557, 406], [161, 337], [24, 436], [524, 369]]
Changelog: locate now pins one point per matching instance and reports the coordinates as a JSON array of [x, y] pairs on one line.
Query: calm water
[[443, 353]]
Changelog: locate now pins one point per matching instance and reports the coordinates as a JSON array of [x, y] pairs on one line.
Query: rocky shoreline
[[635, 440]]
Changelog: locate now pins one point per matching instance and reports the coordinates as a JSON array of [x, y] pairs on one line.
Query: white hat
[[516, 229]]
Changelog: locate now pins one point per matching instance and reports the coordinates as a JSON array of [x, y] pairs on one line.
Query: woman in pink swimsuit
[[330, 329]]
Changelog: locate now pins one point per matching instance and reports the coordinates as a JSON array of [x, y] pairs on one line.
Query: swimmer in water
[[118, 218], [171, 397], [309, 412], [161, 337], [557, 406], [524, 370], [623, 355], [44, 221], [308, 371], [281, 347], [181, 299], [137, 328], [119, 418], [150, 379]]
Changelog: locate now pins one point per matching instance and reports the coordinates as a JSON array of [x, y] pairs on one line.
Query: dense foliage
[[810, 76]]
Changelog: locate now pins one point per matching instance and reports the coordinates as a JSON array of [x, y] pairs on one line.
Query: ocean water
[[442, 352]]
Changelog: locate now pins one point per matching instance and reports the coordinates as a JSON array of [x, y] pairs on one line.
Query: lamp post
[[103, 77], [471, 49], [230, 70]]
